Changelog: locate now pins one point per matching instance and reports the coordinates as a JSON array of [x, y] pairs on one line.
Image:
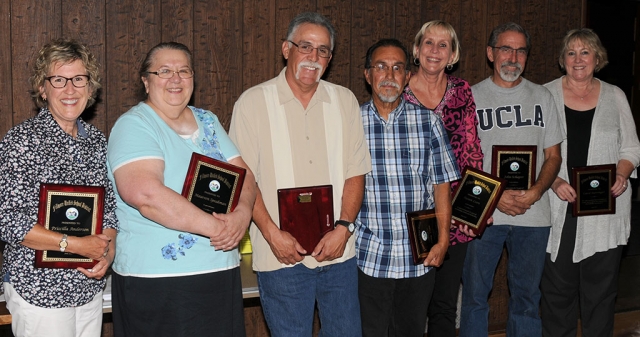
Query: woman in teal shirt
[[168, 278]]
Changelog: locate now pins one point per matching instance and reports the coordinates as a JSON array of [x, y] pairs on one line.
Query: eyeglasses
[[383, 68], [78, 81], [168, 73], [506, 50], [307, 48]]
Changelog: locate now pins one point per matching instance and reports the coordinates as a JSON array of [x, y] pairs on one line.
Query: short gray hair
[[508, 27], [313, 18]]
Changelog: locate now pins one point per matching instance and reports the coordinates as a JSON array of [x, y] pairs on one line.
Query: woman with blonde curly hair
[[55, 146]]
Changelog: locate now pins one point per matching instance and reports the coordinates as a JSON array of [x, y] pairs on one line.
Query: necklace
[[585, 95]]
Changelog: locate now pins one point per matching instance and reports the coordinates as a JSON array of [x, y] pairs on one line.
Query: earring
[[449, 66], [416, 61]]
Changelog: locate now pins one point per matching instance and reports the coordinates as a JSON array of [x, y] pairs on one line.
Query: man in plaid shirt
[[412, 166]]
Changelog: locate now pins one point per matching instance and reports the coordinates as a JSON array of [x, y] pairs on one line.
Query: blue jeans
[[288, 297], [526, 247]]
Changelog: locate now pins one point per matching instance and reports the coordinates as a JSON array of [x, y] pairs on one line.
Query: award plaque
[[306, 213], [212, 185], [475, 199], [423, 233], [73, 210], [593, 189], [516, 164]]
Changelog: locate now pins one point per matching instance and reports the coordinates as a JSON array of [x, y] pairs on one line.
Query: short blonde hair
[[455, 43], [590, 39], [63, 51]]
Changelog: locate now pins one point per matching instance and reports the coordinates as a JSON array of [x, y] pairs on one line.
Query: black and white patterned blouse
[[39, 151]]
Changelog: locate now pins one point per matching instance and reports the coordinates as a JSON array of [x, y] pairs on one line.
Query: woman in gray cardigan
[[581, 269]]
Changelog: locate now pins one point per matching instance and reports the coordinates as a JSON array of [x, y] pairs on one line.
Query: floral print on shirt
[[34, 152], [458, 112]]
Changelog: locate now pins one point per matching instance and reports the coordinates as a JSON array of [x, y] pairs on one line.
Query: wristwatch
[[63, 243], [350, 225]]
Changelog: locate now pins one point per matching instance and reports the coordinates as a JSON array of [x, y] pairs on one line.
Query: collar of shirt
[[285, 94], [393, 115], [50, 121]]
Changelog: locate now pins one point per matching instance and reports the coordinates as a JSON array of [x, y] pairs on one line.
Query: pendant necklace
[[582, 97]]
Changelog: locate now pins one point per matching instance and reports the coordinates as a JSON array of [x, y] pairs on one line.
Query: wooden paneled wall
[[236, 43]]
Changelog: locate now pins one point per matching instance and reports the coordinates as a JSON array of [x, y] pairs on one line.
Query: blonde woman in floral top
[[56, 146], [436, 47]]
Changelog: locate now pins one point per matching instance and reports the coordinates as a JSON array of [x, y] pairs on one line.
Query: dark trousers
[[586, 289], [185, 306], [444, 301], [394, 307]]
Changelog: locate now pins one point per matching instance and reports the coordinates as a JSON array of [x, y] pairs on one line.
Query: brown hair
[[148, 60], [146, 63]]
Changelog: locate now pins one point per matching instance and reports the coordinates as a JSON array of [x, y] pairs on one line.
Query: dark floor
[[633, 246], [628, 290]]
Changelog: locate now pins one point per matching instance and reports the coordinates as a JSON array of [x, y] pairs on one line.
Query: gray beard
[[388, 99], [509, 76]]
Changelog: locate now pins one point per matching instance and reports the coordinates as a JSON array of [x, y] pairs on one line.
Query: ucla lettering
[[509, 116], [539, 118], [485, 118], [503, 111], [519, 121]]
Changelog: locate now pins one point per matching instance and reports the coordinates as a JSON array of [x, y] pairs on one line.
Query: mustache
[[311, 64], [389, 83], [511, 64]]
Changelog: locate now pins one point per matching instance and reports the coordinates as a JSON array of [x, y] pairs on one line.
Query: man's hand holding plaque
[[306, 213], [423, 233], [516, 164]]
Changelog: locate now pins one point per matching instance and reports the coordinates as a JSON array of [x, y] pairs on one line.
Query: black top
[[578, 137]]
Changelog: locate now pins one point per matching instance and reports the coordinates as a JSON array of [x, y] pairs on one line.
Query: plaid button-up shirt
[[409, 152]]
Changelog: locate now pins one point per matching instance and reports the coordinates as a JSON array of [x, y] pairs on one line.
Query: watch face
[[352, 228]]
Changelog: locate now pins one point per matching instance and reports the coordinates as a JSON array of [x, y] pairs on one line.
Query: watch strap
[[350, 225], [63, 243]]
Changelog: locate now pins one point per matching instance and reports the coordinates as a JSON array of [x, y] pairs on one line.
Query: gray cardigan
[[613, 137]]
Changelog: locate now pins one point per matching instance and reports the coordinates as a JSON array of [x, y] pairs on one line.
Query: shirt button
[[310, 161]]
